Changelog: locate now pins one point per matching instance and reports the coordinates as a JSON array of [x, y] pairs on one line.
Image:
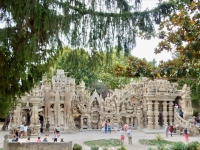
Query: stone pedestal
[[35, 123]]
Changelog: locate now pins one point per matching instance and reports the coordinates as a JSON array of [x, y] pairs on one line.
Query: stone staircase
[[185, 123]]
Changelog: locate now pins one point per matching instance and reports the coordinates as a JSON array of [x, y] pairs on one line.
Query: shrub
[[198, 146], [77, 147], [122, 148], [159, 137], [94, 148], [192, 146], [178, 146]]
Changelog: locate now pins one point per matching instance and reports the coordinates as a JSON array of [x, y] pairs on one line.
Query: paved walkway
[[94, 135]]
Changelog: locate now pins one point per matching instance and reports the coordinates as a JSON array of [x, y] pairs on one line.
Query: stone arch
[[178, 100], [95, 96]]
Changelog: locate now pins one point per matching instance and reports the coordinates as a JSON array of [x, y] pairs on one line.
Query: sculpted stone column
[[118, 107], [150, 115], [156, 115], [57, 107], [35, 123], [165, 113], [47, 103], [67, 107], [171, 112]]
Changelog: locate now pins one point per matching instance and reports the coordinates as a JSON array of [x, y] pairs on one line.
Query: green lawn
[[154, 142], [103, 143]]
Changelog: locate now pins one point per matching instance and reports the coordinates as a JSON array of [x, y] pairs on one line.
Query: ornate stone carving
[[142, 104]]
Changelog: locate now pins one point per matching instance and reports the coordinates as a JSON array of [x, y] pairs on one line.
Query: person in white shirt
[[129, 133], [166, 130], [21, 129], [25, 131]]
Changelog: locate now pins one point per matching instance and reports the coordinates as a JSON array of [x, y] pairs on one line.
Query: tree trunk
[[4, 125]]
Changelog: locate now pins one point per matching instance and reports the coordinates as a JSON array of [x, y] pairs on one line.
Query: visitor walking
[[47, 128], [166, 130], [109, 127], [126, 127], [122, 136], [106, 126], [171, 129], [129, 133], [21, 130], [58, 131], [186, 132], [115, 127], [25, 130], [176, 107]]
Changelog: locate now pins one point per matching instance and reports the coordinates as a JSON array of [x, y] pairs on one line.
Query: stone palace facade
[[144, 104]]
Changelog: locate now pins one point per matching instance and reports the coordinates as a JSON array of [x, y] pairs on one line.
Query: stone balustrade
[[185, 123]]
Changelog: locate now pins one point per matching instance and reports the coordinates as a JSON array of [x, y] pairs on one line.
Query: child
[[122, 136]]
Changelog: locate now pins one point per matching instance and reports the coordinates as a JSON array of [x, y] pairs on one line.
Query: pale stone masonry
[[143, 104]]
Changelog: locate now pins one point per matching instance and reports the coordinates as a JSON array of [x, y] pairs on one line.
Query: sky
[[145, 48]]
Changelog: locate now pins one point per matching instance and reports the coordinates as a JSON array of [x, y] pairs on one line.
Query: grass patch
[[103, 143], [154, 142]]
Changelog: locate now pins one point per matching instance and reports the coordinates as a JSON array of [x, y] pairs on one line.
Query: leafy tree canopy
[[34, 30], [179, 33], [80, 65]]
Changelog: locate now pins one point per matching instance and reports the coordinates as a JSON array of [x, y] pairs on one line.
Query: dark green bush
[[192, 145], [77, 147], [94, 148], [178, 146], [195, 112]]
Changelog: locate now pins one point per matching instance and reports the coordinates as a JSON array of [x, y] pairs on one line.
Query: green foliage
[[192, 146], [94, 148], [95, 71], [122, 148], [77, 147], [32, 36], [159, 137], [154, 142], [103, 143], [178, 146]]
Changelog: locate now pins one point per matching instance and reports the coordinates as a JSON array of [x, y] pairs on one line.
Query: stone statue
[[123, 109], [47, 99], [52, 118]]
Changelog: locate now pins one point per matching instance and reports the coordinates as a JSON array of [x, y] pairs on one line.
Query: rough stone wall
[[39, 146]]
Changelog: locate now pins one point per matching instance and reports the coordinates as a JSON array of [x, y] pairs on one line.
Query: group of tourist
[[125, 131], [178, 110], [21, 131], [172, 129]]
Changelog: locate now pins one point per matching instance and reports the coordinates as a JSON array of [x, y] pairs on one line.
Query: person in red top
[[126, 127], [171, 129], [38, 140]]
